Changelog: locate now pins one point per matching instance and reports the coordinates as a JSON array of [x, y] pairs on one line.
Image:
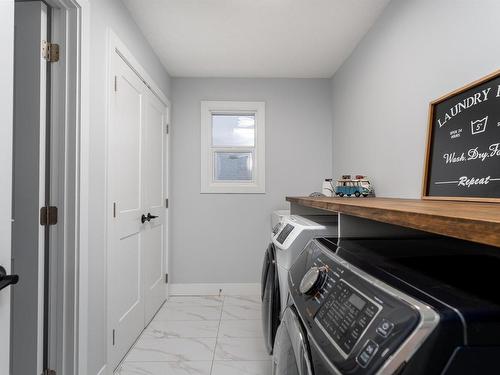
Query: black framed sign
[[463, 144]]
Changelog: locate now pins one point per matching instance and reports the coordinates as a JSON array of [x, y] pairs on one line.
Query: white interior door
[[29, 171], [6, 111], [136, 230], [154, 204], [126, 133]]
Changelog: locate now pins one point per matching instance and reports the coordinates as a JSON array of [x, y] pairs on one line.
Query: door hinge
[[49, 372], [114, 209], [166, 203], [50, 51], [166, 129], [166, 278], [48, 215], [113, 337], [116, 83]]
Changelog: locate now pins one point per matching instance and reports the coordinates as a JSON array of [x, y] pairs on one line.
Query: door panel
[[154, 284], [129, 293], [6, 113], [28, 236], [153, 182], [126, 147], [125, 300], [153, 149], [126, 139]]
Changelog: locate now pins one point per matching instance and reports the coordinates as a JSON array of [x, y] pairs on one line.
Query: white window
[[233, 147]]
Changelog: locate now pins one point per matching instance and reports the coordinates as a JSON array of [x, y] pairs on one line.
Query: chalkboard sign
[[463, 147]]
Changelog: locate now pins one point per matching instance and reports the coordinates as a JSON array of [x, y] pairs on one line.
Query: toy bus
[[358, 186]]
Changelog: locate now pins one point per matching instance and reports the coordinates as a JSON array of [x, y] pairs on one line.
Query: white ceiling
[[254, 38]]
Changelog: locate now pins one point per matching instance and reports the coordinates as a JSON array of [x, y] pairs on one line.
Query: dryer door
[[265, 270], [270, 298], [291, 350]]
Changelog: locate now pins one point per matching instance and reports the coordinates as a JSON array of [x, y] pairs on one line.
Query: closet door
[[125, 175], [136, 229], [154, 205]]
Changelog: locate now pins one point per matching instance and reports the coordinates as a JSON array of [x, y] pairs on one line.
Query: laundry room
[[250, 187]]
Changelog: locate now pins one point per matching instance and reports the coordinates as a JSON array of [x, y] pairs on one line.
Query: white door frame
[[70, 116], [72, 22], [116, 46]]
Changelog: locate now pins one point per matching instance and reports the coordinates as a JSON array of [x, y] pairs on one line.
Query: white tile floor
[[204, 335]]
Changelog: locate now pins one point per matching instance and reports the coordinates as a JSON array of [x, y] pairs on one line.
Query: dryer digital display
[[285, 233]]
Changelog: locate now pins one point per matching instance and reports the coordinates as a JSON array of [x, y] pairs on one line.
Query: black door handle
[[6, 280], [145, 218], [151, 216]]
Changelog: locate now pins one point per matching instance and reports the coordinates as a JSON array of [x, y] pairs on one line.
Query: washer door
[[270, 298], [291, 350]]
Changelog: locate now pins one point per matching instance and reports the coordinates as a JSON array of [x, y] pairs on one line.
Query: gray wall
[[221, 238], [105, 14], [417, 51]]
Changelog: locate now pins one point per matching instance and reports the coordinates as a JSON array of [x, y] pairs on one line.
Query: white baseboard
[[209, 289]]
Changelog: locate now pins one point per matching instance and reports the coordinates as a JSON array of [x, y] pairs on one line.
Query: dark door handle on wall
[[6, 280], [145, 218], [151, 216]]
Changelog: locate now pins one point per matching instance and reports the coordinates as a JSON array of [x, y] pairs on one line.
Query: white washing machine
[[294, 234], [289, 238]]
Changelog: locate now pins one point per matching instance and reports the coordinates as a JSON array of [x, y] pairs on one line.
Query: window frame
[[208, 183]]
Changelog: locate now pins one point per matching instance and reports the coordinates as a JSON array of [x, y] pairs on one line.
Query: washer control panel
[[353, 321]]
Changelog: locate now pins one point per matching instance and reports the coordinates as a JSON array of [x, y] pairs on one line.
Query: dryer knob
[[311, 281]]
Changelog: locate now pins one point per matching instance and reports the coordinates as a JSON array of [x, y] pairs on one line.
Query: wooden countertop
[[477, 222]]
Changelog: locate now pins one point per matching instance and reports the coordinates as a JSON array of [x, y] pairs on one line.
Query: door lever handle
[[149, 217], [145, 218], [6, 280]]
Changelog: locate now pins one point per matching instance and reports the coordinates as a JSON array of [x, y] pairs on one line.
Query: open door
[[6, 102], [30, 217]]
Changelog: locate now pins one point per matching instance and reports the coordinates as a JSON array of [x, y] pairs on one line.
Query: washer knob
[[311, 281]]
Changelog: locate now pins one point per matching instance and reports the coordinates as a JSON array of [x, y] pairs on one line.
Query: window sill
[[232, 188]]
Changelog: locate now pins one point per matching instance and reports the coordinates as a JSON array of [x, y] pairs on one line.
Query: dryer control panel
[[346, 315], [285, 232], [356, 322]]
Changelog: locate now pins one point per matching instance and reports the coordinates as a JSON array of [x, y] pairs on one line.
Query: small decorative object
[[358, 186], [327, 188], [317, 194], [463, 144]]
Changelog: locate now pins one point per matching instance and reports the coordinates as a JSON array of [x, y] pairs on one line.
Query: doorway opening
[[48, 195]]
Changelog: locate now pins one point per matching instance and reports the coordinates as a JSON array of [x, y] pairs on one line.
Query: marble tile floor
[[201, 335]]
